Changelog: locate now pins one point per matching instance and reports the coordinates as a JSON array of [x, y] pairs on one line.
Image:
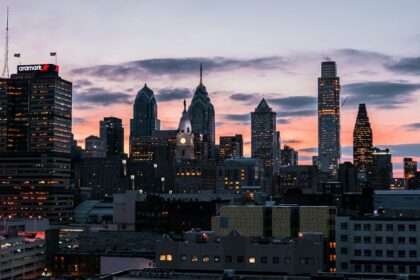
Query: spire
[[185, 105], [201, 73]]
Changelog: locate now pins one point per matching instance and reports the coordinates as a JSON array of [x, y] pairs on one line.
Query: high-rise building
[[201, 113], [112, 133], [410, 170], [35, 144], [230, 147], [289, 157], [380, 177], [144, 121], [94, 147], [362, 142], [264, 136], [329, 119]]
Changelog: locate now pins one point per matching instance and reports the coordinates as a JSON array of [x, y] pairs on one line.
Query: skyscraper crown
[[263, 107], [328, 69]]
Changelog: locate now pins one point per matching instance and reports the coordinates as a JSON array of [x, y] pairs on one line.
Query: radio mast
[[6, 49]]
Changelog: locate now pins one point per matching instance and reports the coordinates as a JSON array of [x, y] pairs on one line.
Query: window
[[276, 260], [379, 268], [224, 222], [389, 227], [390, 268], [357, 268], [412, 227], [413, 254], [240, 259], [366, 239], [389, 253], [378, 227], [367, 268], [344, 226], [263, 259], [378, 253], [228, 259], [357, 252], [165, 258], [401, 268], [401, 254], [206, 259], [401, 240], [378, 239], [287, 260], [357, 239], [216, 259], [183, 258], [413, 269], [306, 260], [412, 240], [251, 260], [344, 265], [401, 227], [344, 251], [194, 258], [366, 227], [367, 253], [357, 227], [389, 240], [343, 238]]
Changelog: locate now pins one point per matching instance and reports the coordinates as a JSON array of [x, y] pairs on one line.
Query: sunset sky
[[249, 50]]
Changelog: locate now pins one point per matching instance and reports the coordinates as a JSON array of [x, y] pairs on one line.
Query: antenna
[[201, 73], [6, 49]]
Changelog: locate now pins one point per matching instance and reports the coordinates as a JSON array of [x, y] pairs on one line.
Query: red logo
[[56, 69], [44, 67]]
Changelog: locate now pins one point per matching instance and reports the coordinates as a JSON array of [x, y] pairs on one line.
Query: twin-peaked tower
[[329, 119]]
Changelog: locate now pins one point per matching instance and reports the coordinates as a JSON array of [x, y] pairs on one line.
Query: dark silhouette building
[[144, 121], [111, 131], [362, 143], [380, 177], [201, 113], [289, 157], [264, 136], [230, 147], [410, 170], [329, 119], [35, 144]]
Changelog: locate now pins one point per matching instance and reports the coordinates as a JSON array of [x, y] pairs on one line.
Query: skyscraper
[[230, 146], [112, 133], [380, 177], [410, 170], [144, 121], [264, 136], [289, 157], [329, 118], [94, 147], [362, 142], [201, 112], [35, 147]]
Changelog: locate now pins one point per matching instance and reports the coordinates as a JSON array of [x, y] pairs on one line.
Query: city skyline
[[382, 73]]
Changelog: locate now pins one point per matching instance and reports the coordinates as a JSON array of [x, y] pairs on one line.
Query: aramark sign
[[48, 68]]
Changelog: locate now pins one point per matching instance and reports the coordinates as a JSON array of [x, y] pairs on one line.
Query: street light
[[132, 181], [163, 184]]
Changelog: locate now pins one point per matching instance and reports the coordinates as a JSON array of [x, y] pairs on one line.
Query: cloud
[[380, 94], [362, 55], [101, 96], [309, 150], [297, 113], [293, 101], [170, 94], [245, 97], [283, 121], [77, 121], [412, 126], [177, 66], [407, 65], [237, 117], [403, 150]]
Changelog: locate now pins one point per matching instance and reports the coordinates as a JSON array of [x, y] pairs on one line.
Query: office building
[[201, 113], [378, 244], [329, 119], [204, 251], [264, 142], [302, 177], [230, 147], [112, 133], [94, 147], [145, 112], [381, 171], [362, 143], [289, 157], [410, 170], [36, 138]]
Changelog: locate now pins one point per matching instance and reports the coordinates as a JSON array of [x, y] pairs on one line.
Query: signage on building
[[47, 68]]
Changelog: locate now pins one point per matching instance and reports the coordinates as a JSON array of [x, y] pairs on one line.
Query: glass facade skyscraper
[[264, 141], [329, 119], [362, 142], [35, 145], [112, 133]]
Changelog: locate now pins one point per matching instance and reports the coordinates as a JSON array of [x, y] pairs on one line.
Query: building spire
[[201, 73], [185, 105]]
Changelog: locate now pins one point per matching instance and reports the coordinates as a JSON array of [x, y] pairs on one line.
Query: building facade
[[289, 157], [329, 119], [381, 171], [111, 131], [362, 143], [94, 147], [264, 136], [230, 147]]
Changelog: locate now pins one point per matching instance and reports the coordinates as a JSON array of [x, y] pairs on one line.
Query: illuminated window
[[251, 259], [194, 258], [206, 259]]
